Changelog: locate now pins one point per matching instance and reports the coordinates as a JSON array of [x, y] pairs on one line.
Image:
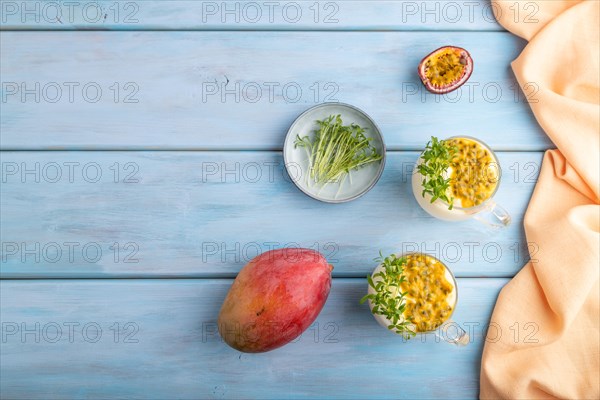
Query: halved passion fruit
[[445, 69]]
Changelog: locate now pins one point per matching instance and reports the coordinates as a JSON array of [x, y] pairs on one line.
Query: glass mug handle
[[452, 333], [494, 215]]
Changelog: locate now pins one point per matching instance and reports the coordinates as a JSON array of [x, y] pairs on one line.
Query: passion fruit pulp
[[445, 69]]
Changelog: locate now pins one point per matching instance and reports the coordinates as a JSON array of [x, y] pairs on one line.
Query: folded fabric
[[549, 313]]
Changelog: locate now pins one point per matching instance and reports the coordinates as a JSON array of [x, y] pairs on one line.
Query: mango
[[274, 298]]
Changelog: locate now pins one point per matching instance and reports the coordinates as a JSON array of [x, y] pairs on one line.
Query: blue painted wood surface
[[203, 214], [200, 213], [178, 355], [231, 90], [397, 15]]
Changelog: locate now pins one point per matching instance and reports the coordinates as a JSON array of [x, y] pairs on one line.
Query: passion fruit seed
[[444, 68], [474, 177], [428, 290]]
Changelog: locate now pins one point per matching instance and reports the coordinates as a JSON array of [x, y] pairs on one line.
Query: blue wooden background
[[141, 168]]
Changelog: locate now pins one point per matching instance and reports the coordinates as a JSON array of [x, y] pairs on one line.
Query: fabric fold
[[549, 312]]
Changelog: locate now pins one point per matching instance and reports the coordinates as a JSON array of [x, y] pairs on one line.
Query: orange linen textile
[[545, 339]]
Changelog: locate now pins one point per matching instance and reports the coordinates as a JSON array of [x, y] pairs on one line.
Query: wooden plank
[[205, 214], [396, 15], [223, 90], [170, 349]]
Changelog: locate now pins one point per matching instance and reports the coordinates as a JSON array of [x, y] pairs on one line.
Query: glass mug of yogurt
[[415, 294], [456, 179]]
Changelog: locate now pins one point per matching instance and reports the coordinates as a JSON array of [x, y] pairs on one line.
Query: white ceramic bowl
[[296, 159]]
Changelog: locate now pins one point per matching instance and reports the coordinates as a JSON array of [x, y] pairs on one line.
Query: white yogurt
[[438, 209]]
